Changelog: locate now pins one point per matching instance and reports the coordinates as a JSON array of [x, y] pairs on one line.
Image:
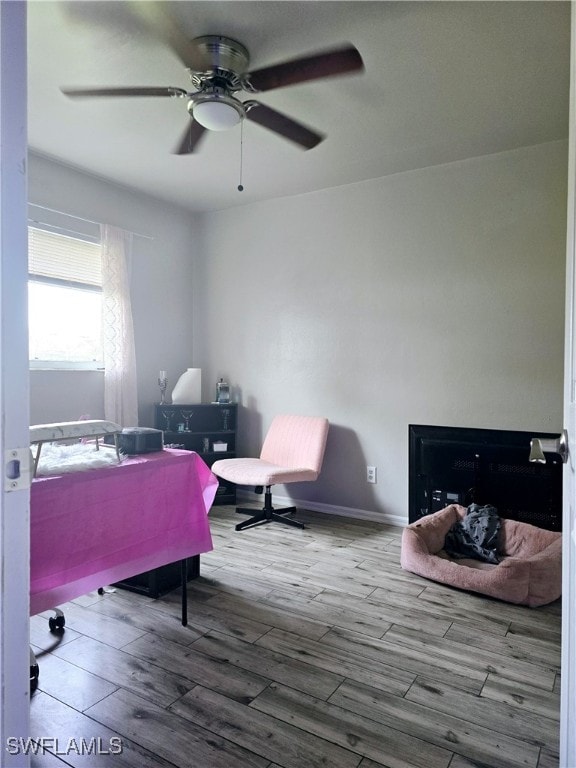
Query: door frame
[[568, 659], [14, 390]]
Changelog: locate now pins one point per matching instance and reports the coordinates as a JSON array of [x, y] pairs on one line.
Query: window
[[64, 301]]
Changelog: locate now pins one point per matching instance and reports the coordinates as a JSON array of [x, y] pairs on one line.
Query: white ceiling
[[443, 81]]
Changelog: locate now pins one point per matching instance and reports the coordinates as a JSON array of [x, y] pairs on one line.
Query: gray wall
[[162, 277], [432, 297], [429, 297]]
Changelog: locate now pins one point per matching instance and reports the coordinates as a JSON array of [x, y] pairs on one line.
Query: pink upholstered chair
[[292, 452]]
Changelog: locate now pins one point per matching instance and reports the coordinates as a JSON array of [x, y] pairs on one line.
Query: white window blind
[[64, 301], [58, 257]]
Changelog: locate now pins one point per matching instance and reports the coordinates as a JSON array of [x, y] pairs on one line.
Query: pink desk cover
[[89, 529]]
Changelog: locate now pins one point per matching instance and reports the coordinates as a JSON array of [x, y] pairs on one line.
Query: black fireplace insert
[[459, 465]]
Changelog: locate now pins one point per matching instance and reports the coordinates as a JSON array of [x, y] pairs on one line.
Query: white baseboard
[[329, 509]]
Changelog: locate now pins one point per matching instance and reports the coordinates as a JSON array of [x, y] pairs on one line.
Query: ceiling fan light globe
[[216, 115]]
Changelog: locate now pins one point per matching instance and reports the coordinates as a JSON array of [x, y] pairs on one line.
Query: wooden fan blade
[[190, 138], [164, 27], [79, 93], [285, 126], [336, 62]]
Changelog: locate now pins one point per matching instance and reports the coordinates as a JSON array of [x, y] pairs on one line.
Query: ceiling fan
[[217, 66]]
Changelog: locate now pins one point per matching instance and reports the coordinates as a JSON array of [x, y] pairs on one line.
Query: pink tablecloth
[[92, 528]]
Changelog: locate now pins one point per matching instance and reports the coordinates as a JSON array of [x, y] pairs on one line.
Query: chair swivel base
[[267, 514]]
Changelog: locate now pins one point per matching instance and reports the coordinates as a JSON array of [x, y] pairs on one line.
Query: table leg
[[184, 575]]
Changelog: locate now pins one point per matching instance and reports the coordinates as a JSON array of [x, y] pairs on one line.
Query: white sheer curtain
[[120, 393]]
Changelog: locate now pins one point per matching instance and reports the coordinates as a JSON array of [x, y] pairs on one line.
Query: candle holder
[[162, 383], [187, 415]]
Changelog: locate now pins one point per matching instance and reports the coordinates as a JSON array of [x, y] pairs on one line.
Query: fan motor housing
[[223, 53]]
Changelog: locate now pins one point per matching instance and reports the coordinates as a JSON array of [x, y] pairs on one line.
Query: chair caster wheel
[[56, 623], [34, 674]]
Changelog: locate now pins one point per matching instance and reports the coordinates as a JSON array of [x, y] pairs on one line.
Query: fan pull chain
[[240, 187]]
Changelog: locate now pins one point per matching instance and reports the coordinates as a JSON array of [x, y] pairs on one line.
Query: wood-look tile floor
[[305, 649]]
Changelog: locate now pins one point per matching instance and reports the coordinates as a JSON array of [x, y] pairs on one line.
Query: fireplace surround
[[460, 465]]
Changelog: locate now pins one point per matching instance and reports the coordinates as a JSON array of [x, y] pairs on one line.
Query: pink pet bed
[[529, 571]]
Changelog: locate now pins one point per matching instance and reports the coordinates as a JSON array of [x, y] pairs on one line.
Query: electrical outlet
[[371, 474]]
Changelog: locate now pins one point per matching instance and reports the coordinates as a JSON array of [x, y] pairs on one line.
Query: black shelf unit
[[197, 427], [459, 465], [201, 426], [160, 581]]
